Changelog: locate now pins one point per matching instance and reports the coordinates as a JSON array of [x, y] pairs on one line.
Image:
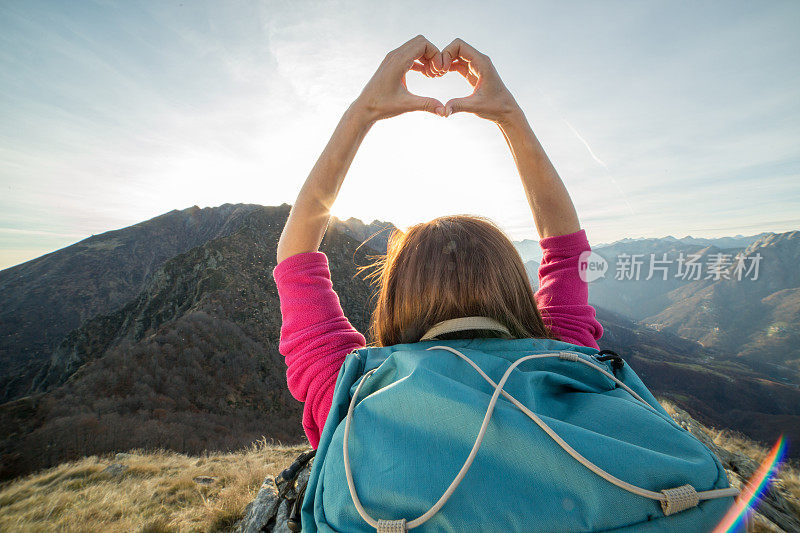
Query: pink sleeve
[[563, 297], [315, 335]]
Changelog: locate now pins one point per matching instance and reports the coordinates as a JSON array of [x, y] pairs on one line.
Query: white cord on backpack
[[672, 500]]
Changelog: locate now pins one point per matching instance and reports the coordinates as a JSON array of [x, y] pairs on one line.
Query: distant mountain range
[[751, 316], [530, 250], [165, 334], [739, 241], [752, 321]]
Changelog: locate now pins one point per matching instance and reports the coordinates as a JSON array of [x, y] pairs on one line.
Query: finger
[[431, 70], [458, 49], [422, 68], [426, 68], [419, 47], [460, 105], [447, 60], [424, 103], [460, 67], [438, 67], [463, 68]]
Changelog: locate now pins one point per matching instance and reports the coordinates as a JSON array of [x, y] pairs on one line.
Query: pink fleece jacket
[[316, 336]]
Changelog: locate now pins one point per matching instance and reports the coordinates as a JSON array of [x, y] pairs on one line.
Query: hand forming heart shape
[[386, 94]]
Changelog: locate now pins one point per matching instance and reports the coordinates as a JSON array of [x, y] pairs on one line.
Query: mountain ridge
[[191, 361], [95, 275]]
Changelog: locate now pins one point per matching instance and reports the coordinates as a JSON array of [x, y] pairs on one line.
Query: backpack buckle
[[617, 362]]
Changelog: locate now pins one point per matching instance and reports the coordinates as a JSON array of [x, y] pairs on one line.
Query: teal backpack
[[502, 434]]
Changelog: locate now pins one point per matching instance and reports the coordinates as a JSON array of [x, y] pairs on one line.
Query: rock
[[259, 511], [281, 519], [115, 469], [204, 480], [121, 456], [268, 513]]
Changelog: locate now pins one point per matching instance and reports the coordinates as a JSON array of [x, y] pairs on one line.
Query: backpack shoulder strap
[[464, 323]]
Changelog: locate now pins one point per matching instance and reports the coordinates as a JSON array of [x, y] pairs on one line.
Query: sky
[[662, 118]]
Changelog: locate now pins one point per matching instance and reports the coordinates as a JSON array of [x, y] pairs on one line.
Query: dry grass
[[787, 479], [156, 493]]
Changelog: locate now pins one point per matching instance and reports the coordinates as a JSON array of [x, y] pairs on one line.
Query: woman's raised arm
[[563, 297], [553, 211], [384, 96]]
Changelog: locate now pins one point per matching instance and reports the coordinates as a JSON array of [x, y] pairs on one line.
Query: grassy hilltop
[[159, 491]]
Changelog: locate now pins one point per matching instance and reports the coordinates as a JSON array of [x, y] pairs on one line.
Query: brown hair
[[453, 266]]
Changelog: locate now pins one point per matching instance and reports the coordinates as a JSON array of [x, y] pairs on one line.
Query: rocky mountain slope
[[716, 390], [47, 297], [190, 363], [755, 320]]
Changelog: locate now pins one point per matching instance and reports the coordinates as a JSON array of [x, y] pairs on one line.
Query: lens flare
[[749, 495]]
